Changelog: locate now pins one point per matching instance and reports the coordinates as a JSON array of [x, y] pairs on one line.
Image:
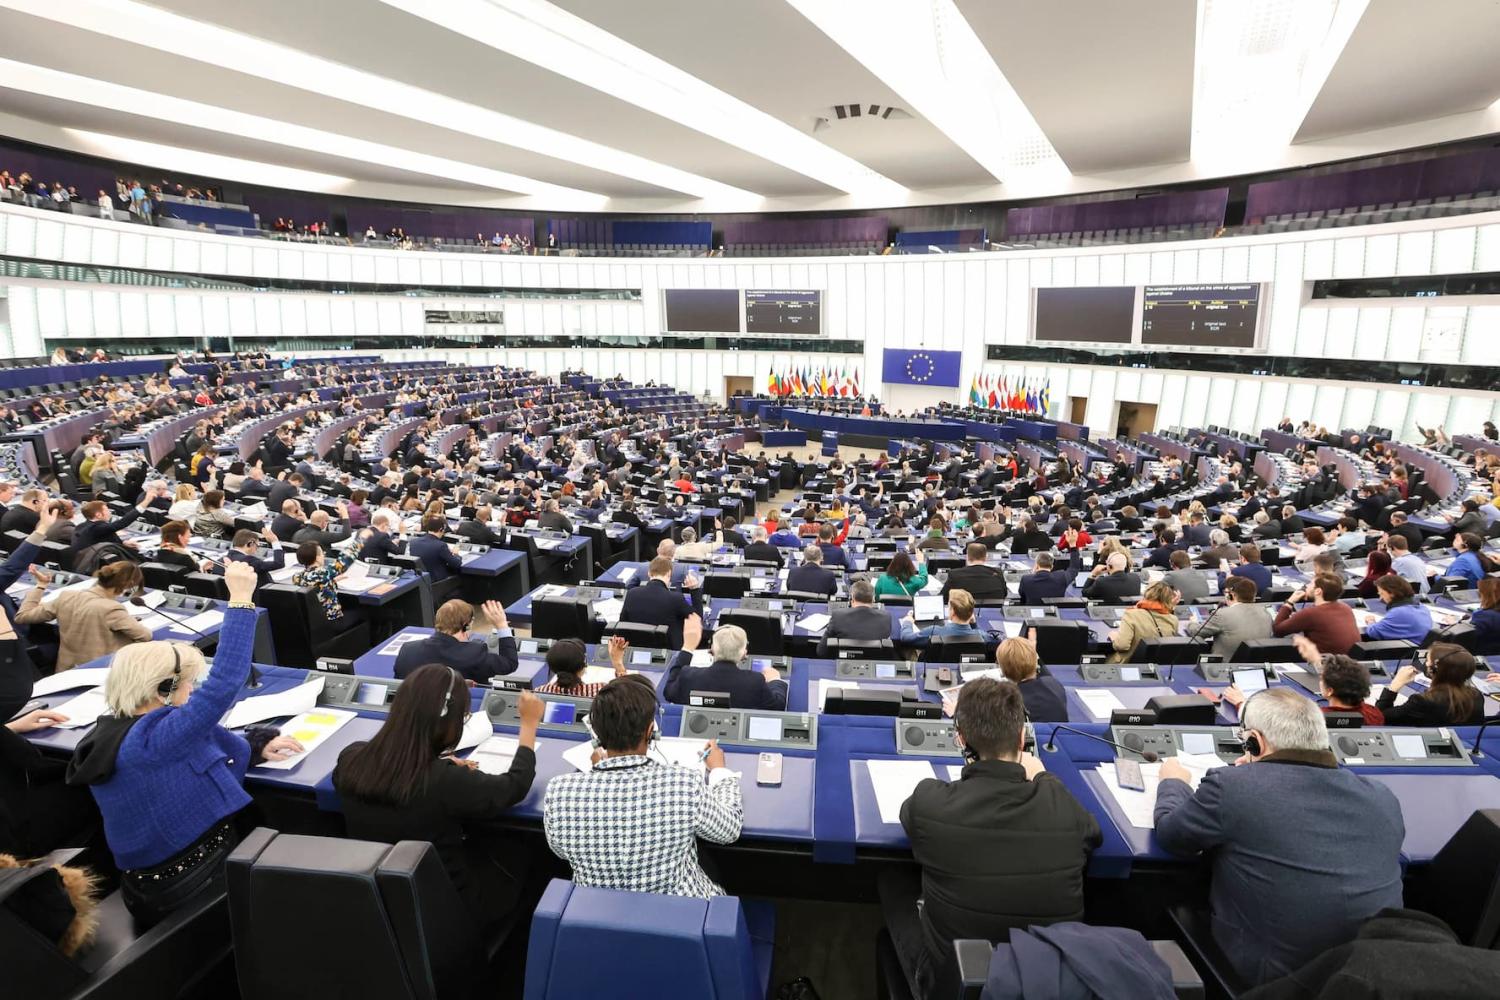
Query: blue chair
[[645, 945]]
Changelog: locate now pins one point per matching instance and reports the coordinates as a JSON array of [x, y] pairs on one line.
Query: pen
[[703, 754]]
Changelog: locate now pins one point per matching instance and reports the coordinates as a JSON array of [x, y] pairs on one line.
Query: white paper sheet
[[955, 772], [285, 573], [361, 585], [594, 674], [292, 702], [894, 781], [1013, 629], [477, 729], [1139, 807], [1099, 703], [495, 754], [580, 755], [397, 641], [814, 623], [609, 609], [69, 680], [311, 729], [201, 622], [627, 573], [82, 710], [51, 596]]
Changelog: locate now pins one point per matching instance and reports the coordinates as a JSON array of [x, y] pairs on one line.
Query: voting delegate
[[1153, 616], [1045, 698], [1450, 700], [1003, 847], [405, 784], [982, 581], [1236, 621], [449, 644], [761, 688], [656, 603], [961, 622], [92, 622], [568, 658], [810, 577], [860, 620], [1294, 873], [169, 780], [632, 821]]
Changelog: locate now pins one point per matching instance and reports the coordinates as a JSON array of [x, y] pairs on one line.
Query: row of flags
[[1002, 392], [805, 380]]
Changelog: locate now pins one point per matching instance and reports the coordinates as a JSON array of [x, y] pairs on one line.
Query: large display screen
[[1097, 315], [1200, 315], [702, 310], [771, 311]]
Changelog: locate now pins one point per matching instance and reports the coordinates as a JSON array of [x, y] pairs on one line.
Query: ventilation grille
[[885, 111]]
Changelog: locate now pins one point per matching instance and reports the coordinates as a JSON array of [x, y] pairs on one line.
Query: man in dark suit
[[1284, 893], [319, 528], [762, 688], [255, 485], [23, 514], [980, 580], [811, 577], [1291, 524], [477, 529], [439, 561], [246, 544], [283, 490], [1046, 581], [97, 526], [1003, 848], [449, 644], [1113, 583], [833, 553], [1195, 532], [289, 521], [860, 620], [1161, 556], [656, 603], [378, 545], [1266, 526], [761, 550], [1129, 520], [1251, 505]]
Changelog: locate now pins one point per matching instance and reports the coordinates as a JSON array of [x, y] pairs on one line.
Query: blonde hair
[[1017, 659], [961, 604], [1112, 545], [136, 672], [1162, 593], [185, 491]]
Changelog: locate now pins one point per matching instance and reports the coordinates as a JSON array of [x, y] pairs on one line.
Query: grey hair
[[136, 673], [863, 591], [689, 536], [1218, 536], [1288, 720], [812, 554], [730, 642], [758, 533], [1261, 517]]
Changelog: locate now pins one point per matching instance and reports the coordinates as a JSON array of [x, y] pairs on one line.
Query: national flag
[[974, 391], [771, 386], [823, 381], [994, 396], [1046, 397], [856, 382]]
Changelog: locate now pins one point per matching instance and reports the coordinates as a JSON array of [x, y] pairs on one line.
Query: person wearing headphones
[[167, 777], [91, 622], [1450, 700], [566, 661], [1004, 847], [1284, 890], [405, 784]]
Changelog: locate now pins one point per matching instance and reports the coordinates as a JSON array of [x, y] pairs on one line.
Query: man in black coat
[[860, 620], [762, 688], [1113, 583], [656, 603], [980, 580], [97, 526], [761, 550], [811, 577], [478, 530], [1003, 848], [449, 644], [1046, 581]]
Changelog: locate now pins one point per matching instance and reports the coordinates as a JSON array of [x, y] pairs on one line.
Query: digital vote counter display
[[356, 693], [560, 713], [927, 737], [755, 727]]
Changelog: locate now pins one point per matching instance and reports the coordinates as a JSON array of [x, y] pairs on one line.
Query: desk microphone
[[1172, 667], [1149, 756], [254, 679]]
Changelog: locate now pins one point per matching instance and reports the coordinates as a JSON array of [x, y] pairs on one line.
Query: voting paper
[[1139, 807], [1099, 703], [69, 680], [495, 755], [477, 729], [894, 781], [82, 710], [311, 729], [293, 702]]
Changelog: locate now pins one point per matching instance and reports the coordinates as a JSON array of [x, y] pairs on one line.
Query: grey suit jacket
[[1232, 625], [1303, 852], [1189, 583]]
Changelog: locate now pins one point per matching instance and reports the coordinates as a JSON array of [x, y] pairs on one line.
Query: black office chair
[[59, 554], [1195, 931], [403, 932], [1272, 650], [869, 649], [206, 585], [640, 635], [124, 961], [1462, 884], [1167, 649], [561, 618], [303, 633], [11, 540], [725, 585], [1066, 602], [1059, 641], [762, 629], [956, 648], [1383, 649], [164, 576]]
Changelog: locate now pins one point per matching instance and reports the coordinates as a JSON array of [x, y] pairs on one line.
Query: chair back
[[1060, 642], [762, 629], [953, 648], [559, 618], [640, 635], [1168, 649], [1462, 884], [163, 576], [1270, 650]]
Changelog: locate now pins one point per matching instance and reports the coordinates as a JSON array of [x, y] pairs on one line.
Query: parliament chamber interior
[[917, 500]]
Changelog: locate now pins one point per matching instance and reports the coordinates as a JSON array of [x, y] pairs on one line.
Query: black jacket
[[812, 579], [91, 533], [452, 797], [1045, 698], [379, 547], [746, 688], [262, 567], [438, 560], [479, 534], [472, 659], [982, 582], [997, 852], [1114, 588], [1023, 542], [763, 552], [856, 623], [652, 603]]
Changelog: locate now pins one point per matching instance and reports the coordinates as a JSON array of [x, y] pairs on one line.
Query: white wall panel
[[1453, 251], [1414, 253]]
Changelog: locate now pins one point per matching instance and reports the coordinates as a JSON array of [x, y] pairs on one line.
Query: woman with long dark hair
[[903, 576], [405, 785], [1377, 565], [1450, 700]]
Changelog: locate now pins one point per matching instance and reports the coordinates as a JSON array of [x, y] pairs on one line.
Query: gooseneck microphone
[[1172, 667], [1149, 756]]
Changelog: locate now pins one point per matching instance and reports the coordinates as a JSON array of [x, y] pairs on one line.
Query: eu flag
[[920, 367]]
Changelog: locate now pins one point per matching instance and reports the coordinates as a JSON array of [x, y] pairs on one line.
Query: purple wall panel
[[861, 229], [1464, 173], [1180, 209]]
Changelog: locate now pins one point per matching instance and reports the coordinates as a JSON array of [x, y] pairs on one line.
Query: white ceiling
[[727, 105]]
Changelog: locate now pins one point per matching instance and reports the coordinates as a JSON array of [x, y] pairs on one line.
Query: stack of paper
[[1139, 807], [357, 578], [627, 573], [1100, 703], [201, 622], [69, 680], [292, 702], [311, 729], [51, 596], [397, 641], [894, 781], [83, 710], [602, 675], [608, 609], [285, 573], [494, 755], [477, 729], [814, 623]]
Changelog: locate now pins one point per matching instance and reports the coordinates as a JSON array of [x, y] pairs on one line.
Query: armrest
[[972, 957], [1185, 979]]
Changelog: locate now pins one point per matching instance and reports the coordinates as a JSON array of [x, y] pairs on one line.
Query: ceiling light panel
[[560, 42], [928, 53], [204, 164], [1258, 67], [241, 53]]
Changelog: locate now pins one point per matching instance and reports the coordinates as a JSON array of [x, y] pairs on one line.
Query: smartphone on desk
[[768, 769], [1128, 773]]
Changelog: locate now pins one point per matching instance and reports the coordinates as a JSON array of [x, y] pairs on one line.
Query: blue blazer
[[1257, 573], [746, 688], [653, 604], [438, 560]]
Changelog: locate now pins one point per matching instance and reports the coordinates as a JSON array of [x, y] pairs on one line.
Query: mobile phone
[[768, 769], [1128, 773]]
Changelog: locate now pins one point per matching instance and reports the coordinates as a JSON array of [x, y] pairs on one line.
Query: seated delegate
[[92, 622], [449, 644], [404, 784], [1045, 698], [1450, 700], [167, 777], [762, 688]]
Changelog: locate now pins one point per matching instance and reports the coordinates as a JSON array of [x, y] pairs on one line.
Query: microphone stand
[[1172, 667], [1149, 756], [252, 682]]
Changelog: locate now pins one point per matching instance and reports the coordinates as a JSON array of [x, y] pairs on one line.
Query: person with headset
[[1450, 700], [91, 622], [1003, 847], [566, 661], [1303, 851], [168, 779], [405, 784]]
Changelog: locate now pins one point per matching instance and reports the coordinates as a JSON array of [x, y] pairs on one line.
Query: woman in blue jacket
[[1405, 618], [1486, 618], [1471, 564], [168, 779]]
